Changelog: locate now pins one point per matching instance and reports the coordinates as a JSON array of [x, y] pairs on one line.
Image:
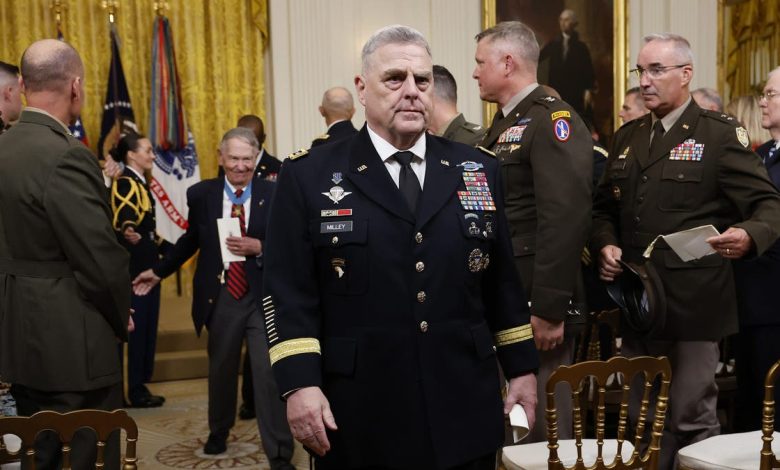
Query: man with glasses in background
[[678, 168], [759, 325]]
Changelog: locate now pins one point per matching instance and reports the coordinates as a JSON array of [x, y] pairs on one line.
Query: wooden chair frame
[[66, 425], [768, 458], [578, 376]]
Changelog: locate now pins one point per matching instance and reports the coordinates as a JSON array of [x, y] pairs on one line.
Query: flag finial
[[160, 7], [112, 6]]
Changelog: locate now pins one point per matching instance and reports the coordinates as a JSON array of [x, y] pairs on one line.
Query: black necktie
[[407, 181], [658, 135]]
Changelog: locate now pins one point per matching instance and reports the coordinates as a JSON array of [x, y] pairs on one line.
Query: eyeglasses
[[655, 71], [768, 95]]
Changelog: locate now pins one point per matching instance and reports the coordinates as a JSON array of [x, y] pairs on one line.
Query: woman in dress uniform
[[134, 222]]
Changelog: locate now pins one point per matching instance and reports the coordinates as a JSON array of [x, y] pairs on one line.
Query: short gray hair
[[393, 34], [241, 133], [681, 45], [709, 95], [520, 36]]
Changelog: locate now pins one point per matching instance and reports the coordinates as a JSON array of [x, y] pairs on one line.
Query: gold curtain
[[219, 52], [752, 44]]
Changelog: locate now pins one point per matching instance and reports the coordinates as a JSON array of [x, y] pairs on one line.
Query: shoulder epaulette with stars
[[720, 117], [486, 151], [300, 153], [323, 137]]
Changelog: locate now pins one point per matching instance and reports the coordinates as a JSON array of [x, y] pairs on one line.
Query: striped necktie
[[237, 284]]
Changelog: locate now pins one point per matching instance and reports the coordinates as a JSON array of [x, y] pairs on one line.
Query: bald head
[[50, 65], [337, 105]]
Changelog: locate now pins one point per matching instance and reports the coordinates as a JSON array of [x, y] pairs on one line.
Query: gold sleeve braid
[[136, 199], [514, 335], [293, 347]]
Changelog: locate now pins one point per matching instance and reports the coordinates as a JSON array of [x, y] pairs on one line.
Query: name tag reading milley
[[335, 227]]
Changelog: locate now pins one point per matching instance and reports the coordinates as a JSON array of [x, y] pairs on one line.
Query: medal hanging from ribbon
[[238, 200]]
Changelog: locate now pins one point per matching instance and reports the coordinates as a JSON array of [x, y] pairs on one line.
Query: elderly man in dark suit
[[226, 296], [391, 288], [677, 168], [337, 108], [64, 282], [756, 281]]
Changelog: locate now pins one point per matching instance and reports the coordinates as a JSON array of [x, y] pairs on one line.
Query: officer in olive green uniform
[[675, 169], [446, 121], [546, 157], [464, 132]]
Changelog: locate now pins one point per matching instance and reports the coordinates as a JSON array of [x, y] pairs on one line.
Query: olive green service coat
[[64, 278]]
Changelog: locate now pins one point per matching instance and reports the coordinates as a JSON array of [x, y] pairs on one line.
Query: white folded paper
[[519, 423], [688, 244], [228, 227]]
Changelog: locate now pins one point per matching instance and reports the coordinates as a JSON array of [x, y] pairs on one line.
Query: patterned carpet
[[172, 436]]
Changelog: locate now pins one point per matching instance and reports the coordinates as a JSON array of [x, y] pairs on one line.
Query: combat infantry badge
[[742, 137]]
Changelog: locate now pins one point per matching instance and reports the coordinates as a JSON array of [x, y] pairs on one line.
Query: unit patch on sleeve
[[742, 137], [562, 129]]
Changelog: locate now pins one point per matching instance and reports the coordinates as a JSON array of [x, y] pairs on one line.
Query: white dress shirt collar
[[386, 150]]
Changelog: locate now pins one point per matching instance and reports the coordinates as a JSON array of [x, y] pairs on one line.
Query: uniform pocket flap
[[683, 172], [672, 261], [338, 356], [337, 233], [483, 341], [524, 245]]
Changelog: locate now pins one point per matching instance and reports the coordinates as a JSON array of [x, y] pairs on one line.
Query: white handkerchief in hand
[[228, 227], [519, 422]]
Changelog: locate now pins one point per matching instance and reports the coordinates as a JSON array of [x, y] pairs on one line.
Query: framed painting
[[593, 77]]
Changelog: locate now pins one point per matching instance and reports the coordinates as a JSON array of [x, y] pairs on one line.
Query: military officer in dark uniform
[[546, 157], [133, 209], [446, 121], [390, 287], [678, 168], [337, 108], [756, 279]]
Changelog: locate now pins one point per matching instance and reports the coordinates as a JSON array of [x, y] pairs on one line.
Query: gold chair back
[[590, 347], [580, 376], [66, 425], [768, 458]]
